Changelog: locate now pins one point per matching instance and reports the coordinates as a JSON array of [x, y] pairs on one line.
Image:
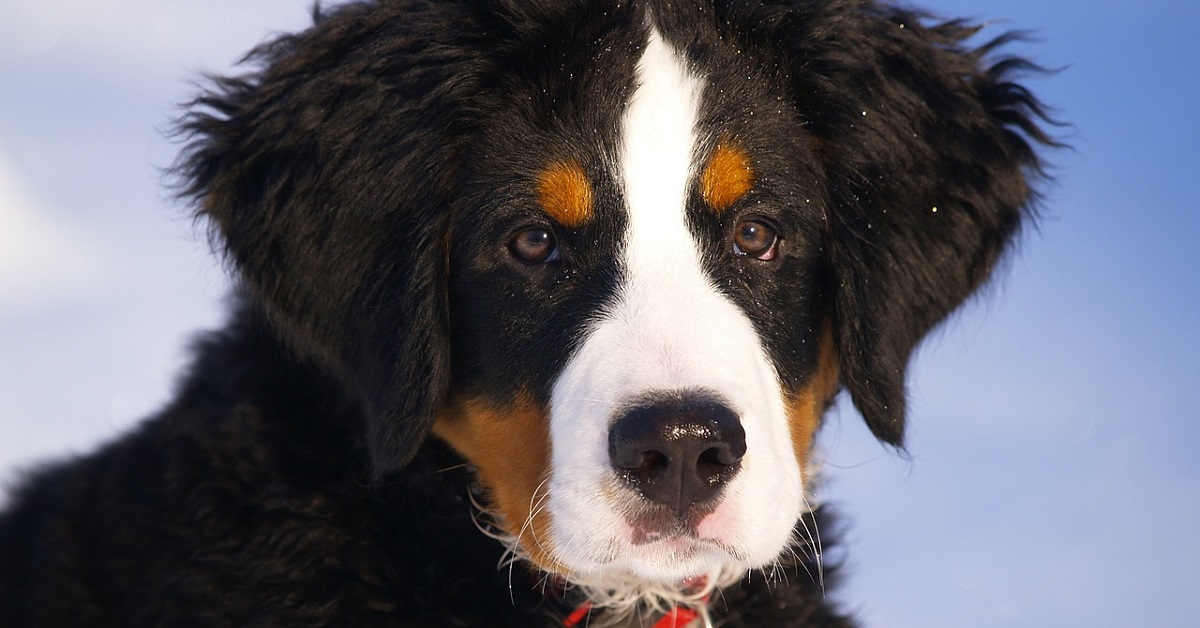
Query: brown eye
[[534, 246], [757, 239]]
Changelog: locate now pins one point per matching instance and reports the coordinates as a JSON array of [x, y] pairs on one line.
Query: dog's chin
[[596, 544], [678, 561], [663, 573], [662, 561]]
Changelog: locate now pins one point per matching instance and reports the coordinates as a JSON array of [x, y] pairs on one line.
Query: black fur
[[358, 182]]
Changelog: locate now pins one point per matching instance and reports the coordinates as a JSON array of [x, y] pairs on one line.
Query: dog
[[538, 306]]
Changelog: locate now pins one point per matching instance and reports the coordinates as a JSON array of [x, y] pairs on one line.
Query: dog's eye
[[755, 238], [534, 246]]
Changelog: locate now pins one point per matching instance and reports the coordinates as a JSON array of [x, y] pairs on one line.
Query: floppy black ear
[[326, 177], [927, 149]]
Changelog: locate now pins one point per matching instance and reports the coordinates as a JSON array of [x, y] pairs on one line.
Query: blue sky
[[1053, 476]]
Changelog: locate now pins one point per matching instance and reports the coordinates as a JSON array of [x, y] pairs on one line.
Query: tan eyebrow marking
[[727, 177], [565, 193]]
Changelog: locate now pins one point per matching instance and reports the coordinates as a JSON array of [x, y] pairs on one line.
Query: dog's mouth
[[684, 548], [679, 538], [672, 537], [658, 524]]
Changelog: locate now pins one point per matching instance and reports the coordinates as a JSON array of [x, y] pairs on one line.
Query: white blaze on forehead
[[659, 137], [668, 329]]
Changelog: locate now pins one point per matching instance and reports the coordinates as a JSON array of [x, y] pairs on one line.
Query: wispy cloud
[[43, 257]]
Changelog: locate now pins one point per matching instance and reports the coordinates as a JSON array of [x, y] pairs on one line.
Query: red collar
[[677, 617]]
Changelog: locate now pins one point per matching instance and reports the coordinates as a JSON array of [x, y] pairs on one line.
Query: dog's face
[[639, 317], [619, 256]]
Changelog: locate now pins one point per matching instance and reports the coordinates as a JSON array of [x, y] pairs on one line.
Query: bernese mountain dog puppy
[[539, 304]]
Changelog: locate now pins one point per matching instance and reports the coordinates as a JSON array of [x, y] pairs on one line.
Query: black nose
[[677, 451]]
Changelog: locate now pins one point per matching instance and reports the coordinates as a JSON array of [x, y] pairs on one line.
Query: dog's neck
[[684, 607]]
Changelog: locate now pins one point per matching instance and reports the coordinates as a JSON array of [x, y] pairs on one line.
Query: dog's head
[[620, 257]]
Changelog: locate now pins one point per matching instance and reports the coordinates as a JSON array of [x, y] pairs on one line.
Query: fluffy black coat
[[291, 482]]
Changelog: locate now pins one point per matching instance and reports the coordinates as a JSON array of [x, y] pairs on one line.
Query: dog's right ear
[[326, 177]]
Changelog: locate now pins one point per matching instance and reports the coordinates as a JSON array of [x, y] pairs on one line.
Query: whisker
[[814, 542], [536, 504]]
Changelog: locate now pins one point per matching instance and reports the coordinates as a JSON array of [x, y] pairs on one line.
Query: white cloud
[[43, 258]]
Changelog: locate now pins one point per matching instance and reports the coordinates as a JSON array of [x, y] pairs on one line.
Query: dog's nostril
[[650, 464], [722, 455], [677, 451], [715, 463]]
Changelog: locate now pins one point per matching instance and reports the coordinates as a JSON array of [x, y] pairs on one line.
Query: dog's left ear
[[927, 148], [327, 177]]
